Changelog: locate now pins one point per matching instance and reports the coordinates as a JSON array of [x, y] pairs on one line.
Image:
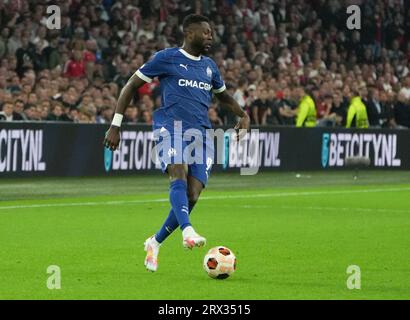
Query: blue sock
[[168, 227], [179, 201]]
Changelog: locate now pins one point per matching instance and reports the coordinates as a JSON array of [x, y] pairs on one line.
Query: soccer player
[[188, 79]]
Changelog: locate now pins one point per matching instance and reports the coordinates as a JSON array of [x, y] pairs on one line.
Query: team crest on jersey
[[209, 72]]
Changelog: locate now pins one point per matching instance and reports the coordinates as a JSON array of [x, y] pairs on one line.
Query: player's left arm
[[225, 98], [153, 68], [235, 108]]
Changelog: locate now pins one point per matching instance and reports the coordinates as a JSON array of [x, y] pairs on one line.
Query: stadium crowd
[[270, 53]]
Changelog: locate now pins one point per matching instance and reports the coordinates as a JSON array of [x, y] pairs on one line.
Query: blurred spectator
[[376, 110], [106, 114], [405, 90], [75, 67], [213, 117], [402, 111], [357, 113], [25, 55], [31, 113], [306, 112], [131, 114], [251, 95], [7, 113], [339, 110], [51, 54], [122, 77], [147, 117], [286, 107], [19, 110], [261, 107], [73, 115], [240, 93], [56, 113], [86, 115]]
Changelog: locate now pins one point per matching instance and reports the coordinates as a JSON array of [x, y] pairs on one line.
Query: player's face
[[202, 38]]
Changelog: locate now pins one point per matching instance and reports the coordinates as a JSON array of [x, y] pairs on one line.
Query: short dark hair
[[192, 19]]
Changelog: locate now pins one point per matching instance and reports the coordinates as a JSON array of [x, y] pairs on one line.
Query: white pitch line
[[348, 209], [222, 197], [85, 204]]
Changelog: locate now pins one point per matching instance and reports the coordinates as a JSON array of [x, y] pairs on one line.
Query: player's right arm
[[155, 67], [112, 137]]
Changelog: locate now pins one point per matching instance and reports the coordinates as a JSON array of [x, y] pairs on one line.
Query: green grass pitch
[[293, 237]]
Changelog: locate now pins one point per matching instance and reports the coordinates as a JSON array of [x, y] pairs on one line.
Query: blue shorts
[[191, 147]]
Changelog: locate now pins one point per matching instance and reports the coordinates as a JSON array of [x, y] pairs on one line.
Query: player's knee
[[177, 172]]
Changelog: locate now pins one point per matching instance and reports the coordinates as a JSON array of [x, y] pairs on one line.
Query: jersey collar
[[189, 56]]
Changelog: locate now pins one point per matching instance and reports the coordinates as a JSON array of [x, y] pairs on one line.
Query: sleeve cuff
[[221, 89], [143, 76]]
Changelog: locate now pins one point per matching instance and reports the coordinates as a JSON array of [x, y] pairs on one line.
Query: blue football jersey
[[186, 84]]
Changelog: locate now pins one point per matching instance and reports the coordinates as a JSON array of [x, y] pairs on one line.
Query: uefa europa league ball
[[220, 262]]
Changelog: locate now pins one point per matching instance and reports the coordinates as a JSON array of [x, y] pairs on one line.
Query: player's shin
[[179, 201], [169, 225], [167, 228]]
